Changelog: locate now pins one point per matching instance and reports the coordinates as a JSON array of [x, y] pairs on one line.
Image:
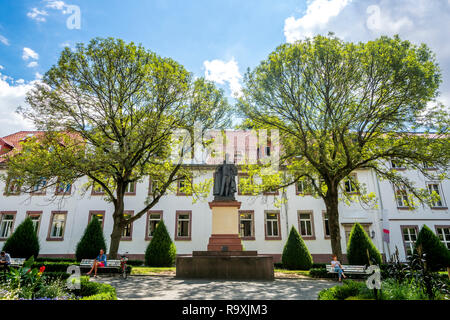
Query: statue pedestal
[[225, 258], [225, 226]]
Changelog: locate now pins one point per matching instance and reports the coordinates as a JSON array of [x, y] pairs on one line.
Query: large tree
[[341, 106], [111, 111]]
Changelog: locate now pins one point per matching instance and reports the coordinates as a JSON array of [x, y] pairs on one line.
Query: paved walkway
[[170, 288]]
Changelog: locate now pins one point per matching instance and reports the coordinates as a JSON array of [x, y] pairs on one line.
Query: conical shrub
[[358, 245], [437, 255], [23, 243], [92, 241], [161, 251], [295, 253]]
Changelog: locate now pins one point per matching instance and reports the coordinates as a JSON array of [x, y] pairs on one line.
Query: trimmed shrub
[[95, 291], [92, 241], [161, 251], [358, 244], [320, 273], [23, 243], [51, 259], [437, 255], [295, 253], [349, 288]]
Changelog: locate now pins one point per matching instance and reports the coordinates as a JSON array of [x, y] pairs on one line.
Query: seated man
[[5, 261], [100, 261]]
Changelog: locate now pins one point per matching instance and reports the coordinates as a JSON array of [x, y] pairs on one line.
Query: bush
[[95, 291], [358, 245], [295, 253], [92, 241], [46, 259], [320, 273], [136, 263], [349, 288], [23, 243], [161, 251], [436, 253]]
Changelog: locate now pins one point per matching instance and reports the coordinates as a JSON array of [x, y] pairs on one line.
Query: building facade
[[62, 213]]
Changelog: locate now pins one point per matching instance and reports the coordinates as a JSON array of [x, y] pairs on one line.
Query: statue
[[225, 182]]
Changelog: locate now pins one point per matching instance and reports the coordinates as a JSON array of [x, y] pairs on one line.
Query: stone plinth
[[225, 265], [225, 226]]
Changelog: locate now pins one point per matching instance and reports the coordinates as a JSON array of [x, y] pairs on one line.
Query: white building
[[62, 215]]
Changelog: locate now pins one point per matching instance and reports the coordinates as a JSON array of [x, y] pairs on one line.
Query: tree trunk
[[331, 203], [118, 224]]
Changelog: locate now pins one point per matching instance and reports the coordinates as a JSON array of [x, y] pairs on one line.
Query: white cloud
[[4, 40], [224, 72], [32, 64], [29, 53], [378, 21], [318, 14], [37, 14], [12, 96], [38, 76], [57, 5], [1, 67]]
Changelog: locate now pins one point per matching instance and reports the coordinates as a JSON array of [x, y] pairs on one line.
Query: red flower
[[29, 270], [41, 269]]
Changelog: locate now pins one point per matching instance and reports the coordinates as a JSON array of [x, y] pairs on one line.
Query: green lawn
[[150, 270], [299, 272]]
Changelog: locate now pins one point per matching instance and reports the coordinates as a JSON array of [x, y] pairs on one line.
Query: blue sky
[[216, 39]]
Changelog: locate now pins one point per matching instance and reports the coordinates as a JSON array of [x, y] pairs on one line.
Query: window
[[97, 189], [153, 218], [63, 188], [443, 232], [401, 196], [272, 226], [326, 226], [57, 225], [246, 225], [6, 223], [303, 187], [127, 232], [435, 190], [130, 189], [409, 234], [100, 215], [183, 186], [350, 184], [271, 191], [35, 217], [12, 187], [38, 188], [183, 225], [306, 224]]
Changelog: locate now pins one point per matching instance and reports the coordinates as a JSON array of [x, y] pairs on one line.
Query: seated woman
[[100, 261], [337, 267]]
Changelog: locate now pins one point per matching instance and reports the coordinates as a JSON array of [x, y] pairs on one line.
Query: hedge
[[358, 245], [91, 242], [62, 267], [23, 243], [295, 253], [436, 253], [161, 251], [95, 291]]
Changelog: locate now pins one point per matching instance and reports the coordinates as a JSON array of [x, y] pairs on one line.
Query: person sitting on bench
[[337, 267], [100, 261], [5, 261]]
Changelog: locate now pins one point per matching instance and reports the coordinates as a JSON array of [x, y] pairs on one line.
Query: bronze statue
[[225, 182]]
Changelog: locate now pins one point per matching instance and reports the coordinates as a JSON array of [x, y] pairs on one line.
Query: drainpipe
[[384, 217]]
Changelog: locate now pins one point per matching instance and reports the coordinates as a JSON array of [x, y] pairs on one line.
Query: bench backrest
[[17, 261], [348, 268], [109, 263]]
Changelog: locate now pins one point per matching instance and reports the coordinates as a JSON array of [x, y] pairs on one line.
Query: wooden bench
[[110, 264], [350, 269]]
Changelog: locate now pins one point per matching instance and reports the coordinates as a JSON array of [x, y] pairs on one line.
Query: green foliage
[[23, 243], [295, 253], [320, 273], [358, 245], [95, 291], [161, 251], [405, 290], [349, 288], [91, 242], [437, 255]]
